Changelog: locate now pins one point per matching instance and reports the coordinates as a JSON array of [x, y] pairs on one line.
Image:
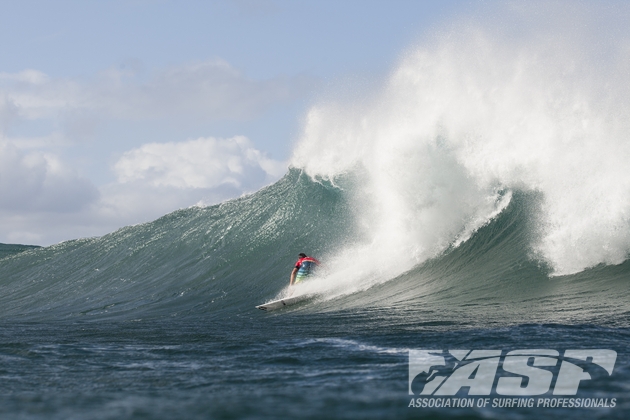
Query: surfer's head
[[302, 255]]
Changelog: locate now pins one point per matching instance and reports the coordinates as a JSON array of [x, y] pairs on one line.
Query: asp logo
[[515, 373]]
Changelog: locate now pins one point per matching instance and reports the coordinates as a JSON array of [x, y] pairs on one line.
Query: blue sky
[[312, 43], [261, 37]]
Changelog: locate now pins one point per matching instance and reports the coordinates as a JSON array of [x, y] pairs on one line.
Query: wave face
[[222, 260], [193, 261], [12, 249]]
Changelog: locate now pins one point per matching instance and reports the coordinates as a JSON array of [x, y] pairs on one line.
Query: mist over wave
[[467, 118]]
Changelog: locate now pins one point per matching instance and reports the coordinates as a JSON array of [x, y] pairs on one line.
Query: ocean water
[[158, 320], [478, 201]]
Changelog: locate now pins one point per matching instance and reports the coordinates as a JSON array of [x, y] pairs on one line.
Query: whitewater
[[478, 199]]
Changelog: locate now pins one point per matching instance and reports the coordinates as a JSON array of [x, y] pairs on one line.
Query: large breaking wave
[[220, 261], [483, 174], [467, 118]]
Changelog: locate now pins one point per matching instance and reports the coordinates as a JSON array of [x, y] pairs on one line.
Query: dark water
[[12, 249], [158, 320]]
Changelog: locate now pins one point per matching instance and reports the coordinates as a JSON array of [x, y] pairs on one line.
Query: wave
[[12, 249], [193, 261], [220, 261]]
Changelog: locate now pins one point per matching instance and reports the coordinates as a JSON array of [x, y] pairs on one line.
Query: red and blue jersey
[[305, 267]]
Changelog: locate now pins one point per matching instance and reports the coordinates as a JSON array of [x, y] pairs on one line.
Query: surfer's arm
[[293, 273]]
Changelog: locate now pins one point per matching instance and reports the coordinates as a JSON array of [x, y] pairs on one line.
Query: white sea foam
[[466, 117]]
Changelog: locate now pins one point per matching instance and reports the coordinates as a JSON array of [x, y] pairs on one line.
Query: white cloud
[[43, 202], [201, 163], [28, 76], [40, 182], [157, 178]]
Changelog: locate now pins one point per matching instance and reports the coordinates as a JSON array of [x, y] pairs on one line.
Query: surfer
[[303, 268]]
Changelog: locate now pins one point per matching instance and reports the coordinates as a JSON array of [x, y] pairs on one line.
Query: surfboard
[[281, 303]]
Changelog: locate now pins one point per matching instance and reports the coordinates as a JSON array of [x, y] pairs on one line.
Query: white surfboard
[[281, 303]]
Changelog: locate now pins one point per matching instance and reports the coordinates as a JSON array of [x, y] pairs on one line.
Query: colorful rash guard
[[305, 267]]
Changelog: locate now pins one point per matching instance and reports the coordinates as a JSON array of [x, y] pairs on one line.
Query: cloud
[[43, 119], [211, 90], [157, 178], [201, 163], [40, 182], [42, 201], [8, 113], [29, 76]]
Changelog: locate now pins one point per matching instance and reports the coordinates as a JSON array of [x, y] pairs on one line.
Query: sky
[[114, 113]]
